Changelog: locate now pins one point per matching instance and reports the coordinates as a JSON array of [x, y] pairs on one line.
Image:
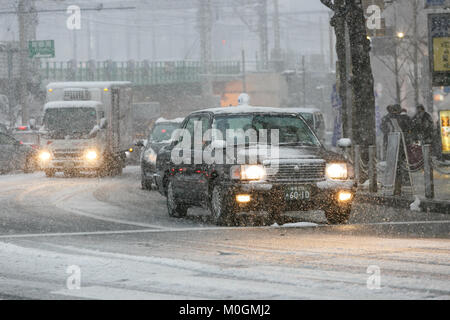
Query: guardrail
[[140, 73]]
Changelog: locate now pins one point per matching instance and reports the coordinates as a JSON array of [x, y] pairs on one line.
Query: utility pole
[[90, 39], [26, 22], [74, 45], [205, 29], [263, 32], [277, 36], [128, 39], [304, 81], [244, 73], [398, 92]]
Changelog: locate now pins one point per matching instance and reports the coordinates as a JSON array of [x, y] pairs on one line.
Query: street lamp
[[400, 35]]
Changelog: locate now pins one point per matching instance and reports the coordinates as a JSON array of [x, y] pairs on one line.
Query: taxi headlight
[[248, 172], [91, 155], [44, 156], [337, 171]]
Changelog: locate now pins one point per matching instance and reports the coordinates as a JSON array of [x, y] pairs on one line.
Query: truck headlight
[[150, 156], [45, 156], [337, 171], [91, 155], [248, 172]]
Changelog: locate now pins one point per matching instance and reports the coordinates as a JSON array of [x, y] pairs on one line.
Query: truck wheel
[[50, 173], [336, 215], [221, 207], [174, 207]]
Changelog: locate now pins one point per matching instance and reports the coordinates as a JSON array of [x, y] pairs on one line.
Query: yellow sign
[[441, 49], [445, 131]]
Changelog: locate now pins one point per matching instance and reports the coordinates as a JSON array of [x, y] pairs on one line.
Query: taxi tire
[[336, 215], [50, 173], [219, 198], [174, 207], [30, 165]]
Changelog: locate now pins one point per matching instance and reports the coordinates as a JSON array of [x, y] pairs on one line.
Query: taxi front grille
[[64, 154], [311, 172]]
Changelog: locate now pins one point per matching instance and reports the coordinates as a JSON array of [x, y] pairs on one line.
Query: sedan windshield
[[162, 132], [62, 122], [291, 129]]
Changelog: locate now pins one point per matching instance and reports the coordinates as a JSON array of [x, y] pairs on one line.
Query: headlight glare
[[91, 155], [337, 171], [45, 156], [253, 172]]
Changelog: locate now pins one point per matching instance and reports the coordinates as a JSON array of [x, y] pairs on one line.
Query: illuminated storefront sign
[[445, 131]]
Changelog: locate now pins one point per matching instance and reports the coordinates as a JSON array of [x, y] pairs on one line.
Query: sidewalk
[[440, 204]]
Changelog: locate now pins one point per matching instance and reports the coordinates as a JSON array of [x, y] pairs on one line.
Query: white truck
[[87, 127]]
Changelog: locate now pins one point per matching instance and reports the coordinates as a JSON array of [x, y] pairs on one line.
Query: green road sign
[[41, 49]]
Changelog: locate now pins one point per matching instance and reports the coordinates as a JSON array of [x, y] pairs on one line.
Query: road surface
[[89, 238]]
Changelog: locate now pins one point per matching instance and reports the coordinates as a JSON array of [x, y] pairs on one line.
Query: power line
[[65, 10]]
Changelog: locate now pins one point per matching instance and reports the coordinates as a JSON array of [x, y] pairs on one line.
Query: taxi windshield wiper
[[299, 143]]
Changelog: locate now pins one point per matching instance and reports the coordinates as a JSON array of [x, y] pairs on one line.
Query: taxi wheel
[[174, 208], [50, 173], [336, 215], [221, 207]]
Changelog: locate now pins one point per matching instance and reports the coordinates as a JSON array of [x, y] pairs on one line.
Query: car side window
[[318, 123], [190, 125], [321, 121]]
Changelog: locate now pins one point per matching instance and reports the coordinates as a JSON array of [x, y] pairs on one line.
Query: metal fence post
[[428, 169], [357, 164], [373, 183]]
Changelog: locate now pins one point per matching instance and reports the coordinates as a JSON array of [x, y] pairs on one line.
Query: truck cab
[[87, 127]]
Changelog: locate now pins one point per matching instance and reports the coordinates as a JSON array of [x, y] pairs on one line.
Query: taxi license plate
[[294, 193], [69, 165]]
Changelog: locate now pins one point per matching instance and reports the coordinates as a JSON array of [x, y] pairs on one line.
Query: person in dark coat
[[423, 126], [386, 126]]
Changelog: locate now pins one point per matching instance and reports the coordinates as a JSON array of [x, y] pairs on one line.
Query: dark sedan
[[281, 167], [160, 136], [15, 155]]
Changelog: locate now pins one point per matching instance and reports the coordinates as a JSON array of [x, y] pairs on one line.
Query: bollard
[[357, 165], [428, 170], [373, 181]]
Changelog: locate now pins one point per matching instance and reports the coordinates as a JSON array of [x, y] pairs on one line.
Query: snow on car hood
[[267, 154]]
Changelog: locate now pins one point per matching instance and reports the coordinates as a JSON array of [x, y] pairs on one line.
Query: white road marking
[[110, 293], [169, 230]]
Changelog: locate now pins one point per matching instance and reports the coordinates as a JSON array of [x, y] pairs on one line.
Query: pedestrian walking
[[387, 127], [423, 127]]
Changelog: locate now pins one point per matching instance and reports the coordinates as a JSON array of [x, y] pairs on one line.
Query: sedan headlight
[[45, 156], [248, 172], [91, 155], [337, 171], [150, 156]]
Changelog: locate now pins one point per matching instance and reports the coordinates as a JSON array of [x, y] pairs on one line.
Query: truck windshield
[[292, 130], [72, 122], [162, 132]]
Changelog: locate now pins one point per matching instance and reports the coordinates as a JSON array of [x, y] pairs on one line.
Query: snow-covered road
[[118, 241]]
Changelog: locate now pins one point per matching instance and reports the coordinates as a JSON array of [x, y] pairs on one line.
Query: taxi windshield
[[291, 129]]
